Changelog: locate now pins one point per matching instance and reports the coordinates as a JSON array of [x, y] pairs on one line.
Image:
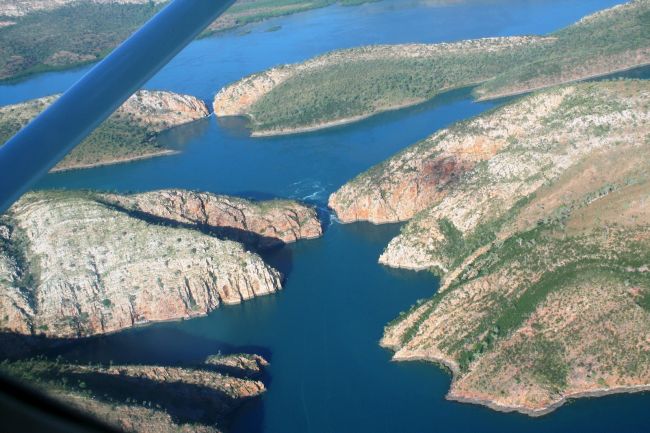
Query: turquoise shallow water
[[327, 372]]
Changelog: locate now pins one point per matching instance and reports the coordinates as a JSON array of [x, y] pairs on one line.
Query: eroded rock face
[[554, 131], [162, 110], [94, 269], [544, 251], [259, 224], [417, 177]]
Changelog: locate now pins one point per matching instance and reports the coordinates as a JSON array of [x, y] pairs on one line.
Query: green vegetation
[[84, 32], [120, 137], [346, 87], [592, 43], [361, 87], [68, 36]]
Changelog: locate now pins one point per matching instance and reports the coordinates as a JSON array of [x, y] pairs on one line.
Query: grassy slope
[[350, 88], [557, 305], [85, 32], [120, 137]]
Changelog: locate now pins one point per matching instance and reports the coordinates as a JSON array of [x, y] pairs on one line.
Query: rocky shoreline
[[534, 216], [115, 161]]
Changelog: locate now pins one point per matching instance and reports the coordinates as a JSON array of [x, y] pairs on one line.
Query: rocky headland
[[128, 134], [260, 224], [536, 217], [148, 398], [350, 85], [78, 263]]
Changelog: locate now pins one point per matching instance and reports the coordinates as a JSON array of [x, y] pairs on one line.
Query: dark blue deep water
[[327, 372]]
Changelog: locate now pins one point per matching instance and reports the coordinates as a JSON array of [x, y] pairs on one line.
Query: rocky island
[[149, 398], [536, 216], [129, 134], [80, 263], [348, 85]]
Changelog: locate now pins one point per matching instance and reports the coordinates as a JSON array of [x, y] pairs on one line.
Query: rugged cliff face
[[541, 137], [147, 398], [419, 176], [258, 224], [130, 133], [541, 240], [74, 266]]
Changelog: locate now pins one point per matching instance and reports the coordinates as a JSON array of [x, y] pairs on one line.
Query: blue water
[[327, 372]]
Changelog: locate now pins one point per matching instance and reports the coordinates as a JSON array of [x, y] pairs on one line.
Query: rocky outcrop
[[259, 224], [247, 365], [543, 248], [88, 268], [144, 398], [162, 110], [415, 178], [130, 133], [538, 147]]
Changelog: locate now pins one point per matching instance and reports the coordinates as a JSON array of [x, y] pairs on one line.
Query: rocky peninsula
[[149, 398], [536, 217], [349, 85], [80, 263], [128, 134]]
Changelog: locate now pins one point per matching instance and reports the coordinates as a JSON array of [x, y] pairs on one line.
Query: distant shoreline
[[115, 161]]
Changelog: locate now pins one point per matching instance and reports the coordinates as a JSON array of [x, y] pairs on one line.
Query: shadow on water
[[640, 73], [179, 137], [157, 343], [184, 402]]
